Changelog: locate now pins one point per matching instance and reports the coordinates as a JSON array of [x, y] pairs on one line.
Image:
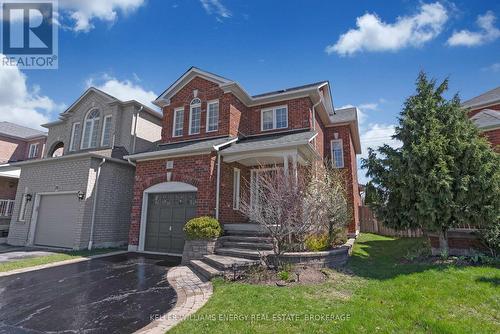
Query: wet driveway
[[115, 294]]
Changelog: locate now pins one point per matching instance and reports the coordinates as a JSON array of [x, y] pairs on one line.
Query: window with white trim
[[337, 153], [106, 131], [22, 210], [195, 116], [274, 118], [33, 151], [236, 188], [91, 129], [75, 136], [212, 116], [178, 122]]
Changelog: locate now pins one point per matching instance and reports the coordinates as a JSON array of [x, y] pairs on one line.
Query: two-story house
[[214, 136], [17, 143], [79, 195], [484, 111]]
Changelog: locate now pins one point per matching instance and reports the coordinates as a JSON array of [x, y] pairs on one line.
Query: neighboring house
[[215, 136], [79, 195], [485, 113], [17, 143]]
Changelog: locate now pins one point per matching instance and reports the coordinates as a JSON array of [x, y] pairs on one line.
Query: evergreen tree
[[444, 175]]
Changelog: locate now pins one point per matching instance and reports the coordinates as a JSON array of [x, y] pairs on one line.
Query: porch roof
[[271, 141]]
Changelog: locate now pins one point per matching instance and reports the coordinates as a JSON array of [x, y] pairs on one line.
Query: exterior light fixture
[[28, 197], [81, 195]]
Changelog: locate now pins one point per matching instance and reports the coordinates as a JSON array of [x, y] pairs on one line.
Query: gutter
[[94, 205]]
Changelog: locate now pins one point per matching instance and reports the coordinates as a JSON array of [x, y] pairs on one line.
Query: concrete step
[[248, 245], [224, 263], [205, 269], [241, 252], [243, 238], [246, 233]]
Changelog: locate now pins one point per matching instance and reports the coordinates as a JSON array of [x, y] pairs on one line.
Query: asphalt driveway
[[115, 294]]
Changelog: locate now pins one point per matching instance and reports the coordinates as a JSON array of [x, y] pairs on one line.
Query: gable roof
[[487, 119], [109, 98], [18, 131], [487, 98]]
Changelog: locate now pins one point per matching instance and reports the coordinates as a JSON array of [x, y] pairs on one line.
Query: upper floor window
[[274, 118], [195, 116], [106, 131], [337, 153], [75, 136], [33, 151], [91, 129], [212, 116], [178, 122]]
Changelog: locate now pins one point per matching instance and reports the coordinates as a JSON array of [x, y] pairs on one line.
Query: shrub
[[203, 228], [284, 275], [317, 242]]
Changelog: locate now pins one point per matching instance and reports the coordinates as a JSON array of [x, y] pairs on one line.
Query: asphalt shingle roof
[[487, 119], [19, 131], [192, 146], [272, 140], [488, 97], [290, 89]]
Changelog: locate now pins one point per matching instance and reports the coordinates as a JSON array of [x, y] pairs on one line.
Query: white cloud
[[216, 8], [21, 104], [83, 13], [495, 67], [124, 90], [488, 32], [372, 34]]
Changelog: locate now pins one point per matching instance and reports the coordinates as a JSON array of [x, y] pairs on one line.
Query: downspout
[[217, 195], [94, 205], [135, 128], [314, 113]]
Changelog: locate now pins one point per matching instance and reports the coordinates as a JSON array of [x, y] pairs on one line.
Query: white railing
[[6, 206]]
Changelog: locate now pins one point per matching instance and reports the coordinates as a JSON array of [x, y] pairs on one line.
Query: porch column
[[294, 167], [285, 164]]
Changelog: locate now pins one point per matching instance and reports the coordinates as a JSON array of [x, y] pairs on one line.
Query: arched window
[[91, 129], [195, 116]]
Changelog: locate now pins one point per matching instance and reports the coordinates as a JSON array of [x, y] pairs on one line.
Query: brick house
[[17, 143], [78, 196], [485, 113], [214, 136]]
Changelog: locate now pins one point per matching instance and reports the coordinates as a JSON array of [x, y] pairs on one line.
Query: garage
[[56, 220], [166, 215]]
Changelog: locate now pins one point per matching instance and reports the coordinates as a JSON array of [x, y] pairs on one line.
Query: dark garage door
[[167, 214]]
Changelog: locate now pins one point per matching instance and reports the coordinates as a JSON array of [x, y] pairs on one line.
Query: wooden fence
[[368, 223]]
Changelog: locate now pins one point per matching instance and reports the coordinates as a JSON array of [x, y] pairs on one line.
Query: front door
[[167, 214]]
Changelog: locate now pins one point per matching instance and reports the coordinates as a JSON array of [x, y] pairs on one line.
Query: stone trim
[[192, 294]]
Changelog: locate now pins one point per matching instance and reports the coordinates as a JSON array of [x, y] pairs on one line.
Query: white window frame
[[341, 149], [32, 153], [22, 209], [191, 107], [208, 115], [236, 188], [72, 145], [274, 118], [175, 122], [104, 128], [91, 133]]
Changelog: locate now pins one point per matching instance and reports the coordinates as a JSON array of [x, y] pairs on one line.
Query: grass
[[57, 257], [379, 294]]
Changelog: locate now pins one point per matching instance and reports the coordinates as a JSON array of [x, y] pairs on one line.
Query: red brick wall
[[226, 212], [8, 188], [493, 137], [12, 149], [350, 168], [475, 111], [198, 170], [41, 148]]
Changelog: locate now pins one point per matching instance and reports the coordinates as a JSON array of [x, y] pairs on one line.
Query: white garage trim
[[165, 187], [34, 213]]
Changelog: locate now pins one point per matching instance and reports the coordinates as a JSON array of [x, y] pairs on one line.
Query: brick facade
[[492, 135], [12, 149]]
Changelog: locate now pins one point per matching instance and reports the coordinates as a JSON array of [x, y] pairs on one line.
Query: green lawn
[[57, 257], [381, 296]]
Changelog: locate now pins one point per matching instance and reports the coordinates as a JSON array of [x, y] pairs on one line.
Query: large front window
[[195, 116], [91, 129], [274, 118]]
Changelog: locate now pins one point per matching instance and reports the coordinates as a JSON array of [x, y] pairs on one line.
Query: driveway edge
[[60, 263], [192, 294]]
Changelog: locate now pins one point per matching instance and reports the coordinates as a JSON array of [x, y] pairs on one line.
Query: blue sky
[[370, 51]]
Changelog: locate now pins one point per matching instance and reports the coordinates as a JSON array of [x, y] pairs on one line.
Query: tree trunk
[[443, 242]]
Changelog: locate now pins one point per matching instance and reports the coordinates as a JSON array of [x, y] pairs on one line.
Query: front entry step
[[226, 263], [243, 253], [248, 245], [205, 270]]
